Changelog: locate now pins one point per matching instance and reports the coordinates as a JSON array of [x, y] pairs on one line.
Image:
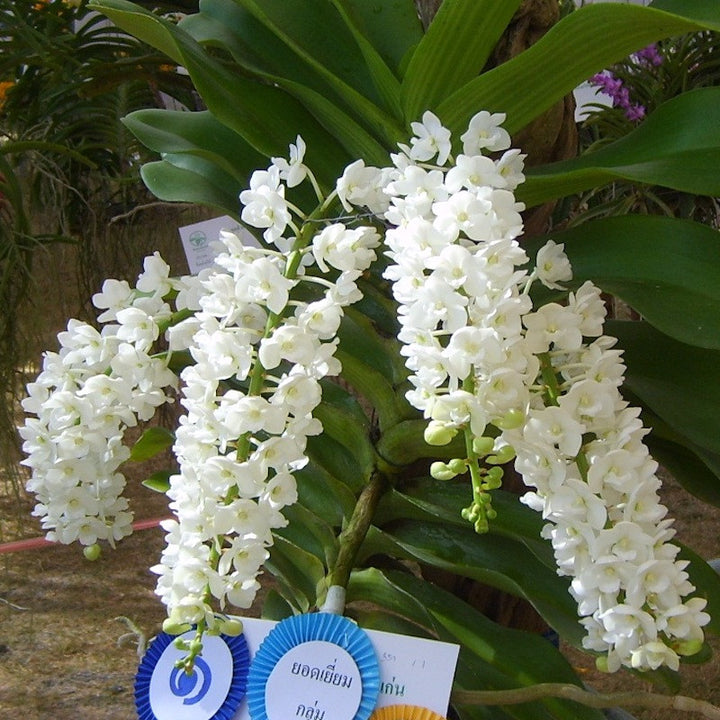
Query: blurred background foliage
[[647, 79], [68, 167]]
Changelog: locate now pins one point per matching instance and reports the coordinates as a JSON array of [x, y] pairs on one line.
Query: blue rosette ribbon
[[213, 691], [296, 631]]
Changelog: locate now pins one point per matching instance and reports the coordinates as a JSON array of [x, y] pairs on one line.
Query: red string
[[38, 542]]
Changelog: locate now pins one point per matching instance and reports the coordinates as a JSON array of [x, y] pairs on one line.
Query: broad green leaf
[[169, 182], [696, 469], [453, 51], [337, 461], [344, 428], [167, 131], [678, 382], [584, 42], [491, 657], [385, 82], [443, 500], [324, 494], [316, 36], [404, 443], [391, 26], [677, 146], [490, 559], [374, 388], [359, 337], [298, 572], [311, 532], [152, 442], [667, 269], [159, 481], [263, 114], [707, 582], [275, 606]]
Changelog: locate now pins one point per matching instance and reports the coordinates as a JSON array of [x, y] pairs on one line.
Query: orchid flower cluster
[[536, 385], [531, 384], [99, 384]]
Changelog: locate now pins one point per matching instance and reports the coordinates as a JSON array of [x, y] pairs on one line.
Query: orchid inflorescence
[[537, 385]]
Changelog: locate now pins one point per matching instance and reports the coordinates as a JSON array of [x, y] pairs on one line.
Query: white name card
[[199, 240]]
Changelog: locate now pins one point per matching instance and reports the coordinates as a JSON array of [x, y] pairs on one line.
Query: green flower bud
[[504, 455], [458, 465], [493, 479], [483, 445], [688, 647], [440, 471], [601, 663], [231, 627], [438, 433], [92, 552], [196, 647], [182, 645], [173, 627], [511, 420]]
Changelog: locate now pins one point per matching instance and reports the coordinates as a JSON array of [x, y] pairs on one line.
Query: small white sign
[[199, 240], [413, 671]]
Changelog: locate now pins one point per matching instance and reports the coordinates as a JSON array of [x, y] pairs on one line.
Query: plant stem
[[351, 538], [543, 691]]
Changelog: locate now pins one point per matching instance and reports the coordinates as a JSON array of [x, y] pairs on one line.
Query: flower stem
[[353, 535]]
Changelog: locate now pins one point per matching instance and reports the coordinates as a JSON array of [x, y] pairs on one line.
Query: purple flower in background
[[650, 55], [618, 92]]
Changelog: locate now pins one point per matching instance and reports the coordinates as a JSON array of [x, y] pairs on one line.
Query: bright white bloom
[[99, 384], [293, 171], [552, 265], [431, 139], [485, 133], [264, 204]]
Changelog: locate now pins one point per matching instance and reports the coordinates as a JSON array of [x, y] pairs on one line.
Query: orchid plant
[[356, 389]]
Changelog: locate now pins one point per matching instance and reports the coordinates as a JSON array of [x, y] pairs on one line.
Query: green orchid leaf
[[168, 131], [584, 42], [359, 337], [393, 28], [311, 532], [352, 435], [385, 82], [677, 382], [491, 656], [677, 146], [200, 184], [667, 269], [298, 572], [491, 559], [323, 494], [151, 443], [454, 50], [696, 469], [316, 35], [275, 606], [404, 443], [159, 481], [374, 388], [707, 583], [338, 462], [434, 500], [263, 114]]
